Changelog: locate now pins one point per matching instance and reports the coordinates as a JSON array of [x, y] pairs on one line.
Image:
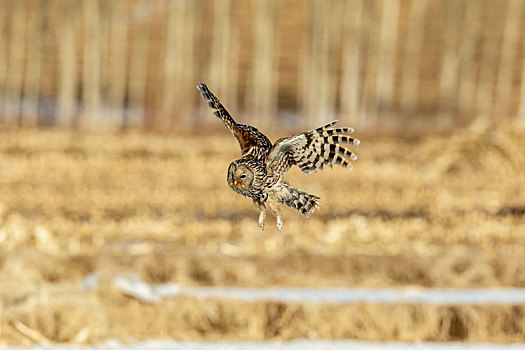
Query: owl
[[259, 173]]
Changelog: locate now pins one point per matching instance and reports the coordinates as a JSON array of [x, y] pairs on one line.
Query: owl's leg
[[274, 205], [262, 212]]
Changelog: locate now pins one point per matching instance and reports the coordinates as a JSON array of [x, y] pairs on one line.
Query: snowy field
[[133, 286], [292, 345]]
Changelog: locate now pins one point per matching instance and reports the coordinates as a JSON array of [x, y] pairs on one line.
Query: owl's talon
[[262, 214], [280, 225]]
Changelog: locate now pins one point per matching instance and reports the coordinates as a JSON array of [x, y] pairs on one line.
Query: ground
[[427, 211]]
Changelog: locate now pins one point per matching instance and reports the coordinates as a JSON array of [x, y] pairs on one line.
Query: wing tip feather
[[201, 86]]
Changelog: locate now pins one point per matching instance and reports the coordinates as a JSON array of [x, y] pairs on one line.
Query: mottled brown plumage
[[259, 172]]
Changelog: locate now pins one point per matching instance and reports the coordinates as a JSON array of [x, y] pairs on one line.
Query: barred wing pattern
[[253, 143], [312, 150]]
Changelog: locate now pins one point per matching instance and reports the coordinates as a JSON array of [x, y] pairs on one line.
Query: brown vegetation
[[440, 211]]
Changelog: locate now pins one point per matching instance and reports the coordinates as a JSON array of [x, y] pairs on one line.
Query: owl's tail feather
[[306, 203]]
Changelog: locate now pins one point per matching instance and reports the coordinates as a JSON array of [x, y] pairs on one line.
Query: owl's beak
[[235, 182]]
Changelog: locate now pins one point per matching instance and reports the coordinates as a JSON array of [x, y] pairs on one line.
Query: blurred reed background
[[392, 64]]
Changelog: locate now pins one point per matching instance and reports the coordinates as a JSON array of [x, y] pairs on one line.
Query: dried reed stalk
[[387, 53], [178, 63], [470, 31], [4, 56], [350, 92], [262, 96], [507, 64], [137, 72], [330, 62], [92, 64], [369, 98], [17, 43], [322, 62], [117, 60], [448, 74], [50, 56], [309, 57], [412, 54], [33, 67], [68, 67], [224, 59], [489, 58], [172, 60]]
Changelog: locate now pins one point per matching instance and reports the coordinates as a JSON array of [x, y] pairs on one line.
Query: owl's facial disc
[[240, 177]]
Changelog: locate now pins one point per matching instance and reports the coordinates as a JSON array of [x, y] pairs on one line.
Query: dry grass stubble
[[428, 211]]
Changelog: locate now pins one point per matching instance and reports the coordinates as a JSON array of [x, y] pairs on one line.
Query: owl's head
[[240, 176]]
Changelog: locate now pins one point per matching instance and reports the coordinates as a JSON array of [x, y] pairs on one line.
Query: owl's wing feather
[[253, 143], [312, 150]]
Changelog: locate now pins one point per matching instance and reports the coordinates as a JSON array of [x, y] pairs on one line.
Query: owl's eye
[[243, 176]]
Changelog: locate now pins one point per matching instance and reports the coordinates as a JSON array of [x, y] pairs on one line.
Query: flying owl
[[259, 173]]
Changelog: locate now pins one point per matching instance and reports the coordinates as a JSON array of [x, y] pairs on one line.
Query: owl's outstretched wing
[[253, 143], [312, 150]]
